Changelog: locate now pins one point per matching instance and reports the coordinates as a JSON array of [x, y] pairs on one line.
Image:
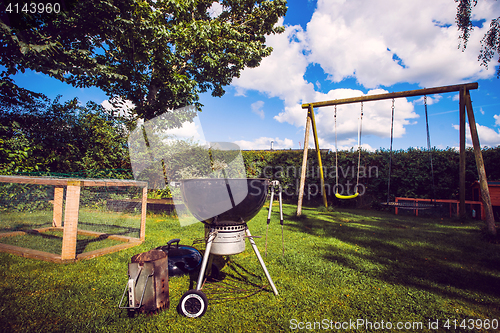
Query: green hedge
[[410, 175]]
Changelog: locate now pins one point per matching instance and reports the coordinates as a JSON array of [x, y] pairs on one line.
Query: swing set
[[465, 108]]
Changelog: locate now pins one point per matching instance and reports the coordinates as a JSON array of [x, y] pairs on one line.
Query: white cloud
[[265, 143], [282, 75], [257, 108], [487, 136], [124, 108], [215, 10], [389, 41], [430, 100], [376, 118], [379, 43], [497, 119], [189, 130]]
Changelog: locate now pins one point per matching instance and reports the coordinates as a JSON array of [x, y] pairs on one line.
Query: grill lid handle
[[175, 240]]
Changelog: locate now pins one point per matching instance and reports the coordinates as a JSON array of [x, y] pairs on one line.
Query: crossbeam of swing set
[[400, 94], [465, 105]]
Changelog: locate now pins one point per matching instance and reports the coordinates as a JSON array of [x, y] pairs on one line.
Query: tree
[[62, 137], [159, 54], [490, 44]]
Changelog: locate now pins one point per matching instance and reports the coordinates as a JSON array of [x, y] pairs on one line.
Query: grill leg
[[257, 253], [269, 214], [211, 237]]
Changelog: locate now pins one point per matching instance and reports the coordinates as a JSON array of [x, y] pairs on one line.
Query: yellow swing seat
[[346, 196]]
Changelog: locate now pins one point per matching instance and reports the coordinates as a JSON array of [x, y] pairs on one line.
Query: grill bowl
[[222, 201]]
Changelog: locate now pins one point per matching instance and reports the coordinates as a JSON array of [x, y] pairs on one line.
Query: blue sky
[[337, 49]]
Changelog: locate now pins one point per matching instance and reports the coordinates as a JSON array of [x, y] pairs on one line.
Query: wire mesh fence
[[34, 213]]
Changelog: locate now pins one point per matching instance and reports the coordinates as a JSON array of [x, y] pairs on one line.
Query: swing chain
[[336, 153], [359, 146]]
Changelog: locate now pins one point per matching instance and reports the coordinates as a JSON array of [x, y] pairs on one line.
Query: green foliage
[[16, 150], [13, 96], [159, 54], [62, 137], [410, 175], [25, 197], [490, 44], [85, 141]]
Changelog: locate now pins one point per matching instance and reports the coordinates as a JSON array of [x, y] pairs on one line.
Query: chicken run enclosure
[[65, 220]]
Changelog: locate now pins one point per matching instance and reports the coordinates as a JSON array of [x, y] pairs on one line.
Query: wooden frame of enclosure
[[465, 104], [70, 229]]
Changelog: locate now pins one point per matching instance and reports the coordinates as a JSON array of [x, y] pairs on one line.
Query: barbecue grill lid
[[182, 259]]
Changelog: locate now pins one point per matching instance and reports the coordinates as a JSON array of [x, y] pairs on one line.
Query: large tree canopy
[[159, 54], [490, 44]]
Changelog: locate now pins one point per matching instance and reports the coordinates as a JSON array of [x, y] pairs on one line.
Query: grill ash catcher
[[212, 186]]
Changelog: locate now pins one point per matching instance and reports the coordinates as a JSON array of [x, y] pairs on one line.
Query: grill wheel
[[193, 304]]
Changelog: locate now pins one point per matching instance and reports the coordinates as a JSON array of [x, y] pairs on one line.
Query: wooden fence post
[[58, 206], [70, 232], [142, 232]]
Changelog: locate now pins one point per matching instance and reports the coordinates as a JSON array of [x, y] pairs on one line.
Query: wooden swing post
[[318, 153], [483, 182], [304, 166], [461, 163], [310, 121]]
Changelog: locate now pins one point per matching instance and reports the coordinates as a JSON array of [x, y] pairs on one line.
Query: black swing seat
[[411, 205]]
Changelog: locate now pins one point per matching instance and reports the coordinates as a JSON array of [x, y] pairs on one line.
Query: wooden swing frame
[[465, 107]]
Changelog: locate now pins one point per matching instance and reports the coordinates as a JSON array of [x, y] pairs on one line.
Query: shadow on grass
[[236, 283], [429, 254], [101, 227], [55, 247], [25, 227], [81, 244]]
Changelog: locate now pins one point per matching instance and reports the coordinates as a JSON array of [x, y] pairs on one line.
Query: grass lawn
[[338, 267]]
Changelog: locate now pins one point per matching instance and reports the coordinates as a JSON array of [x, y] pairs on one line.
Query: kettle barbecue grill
[[224, 206]]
